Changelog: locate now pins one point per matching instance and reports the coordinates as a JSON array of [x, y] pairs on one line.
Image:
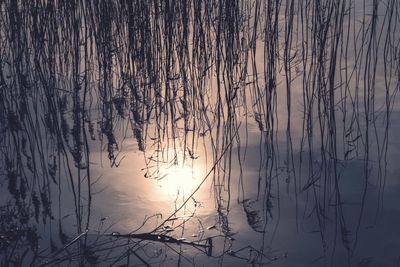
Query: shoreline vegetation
[[317, 79]]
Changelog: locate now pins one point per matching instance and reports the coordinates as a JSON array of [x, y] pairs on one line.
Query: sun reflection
[[177, 179]]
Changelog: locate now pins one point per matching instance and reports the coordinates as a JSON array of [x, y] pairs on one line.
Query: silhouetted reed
[[75, 75]]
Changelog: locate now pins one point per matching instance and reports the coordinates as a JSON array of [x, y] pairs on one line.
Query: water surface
[[193, 133]]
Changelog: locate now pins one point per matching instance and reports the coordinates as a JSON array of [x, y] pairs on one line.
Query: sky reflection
[[210, 132], [179, 179]]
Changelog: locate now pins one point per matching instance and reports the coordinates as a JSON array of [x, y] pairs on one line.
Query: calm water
[[195, 133]]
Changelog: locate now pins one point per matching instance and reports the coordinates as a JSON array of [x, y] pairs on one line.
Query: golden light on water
[[179, 179]]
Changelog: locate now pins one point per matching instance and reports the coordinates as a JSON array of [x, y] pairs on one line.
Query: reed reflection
[[317, 80]]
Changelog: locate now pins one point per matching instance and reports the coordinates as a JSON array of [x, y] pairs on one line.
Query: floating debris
[[104, 218]]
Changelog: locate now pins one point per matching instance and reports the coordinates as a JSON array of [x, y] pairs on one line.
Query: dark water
[[195, 133]]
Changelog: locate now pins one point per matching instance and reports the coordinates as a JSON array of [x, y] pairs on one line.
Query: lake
[[195, 133]]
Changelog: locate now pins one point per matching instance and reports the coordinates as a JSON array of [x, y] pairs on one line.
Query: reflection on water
[[212, 132], [176, 179]]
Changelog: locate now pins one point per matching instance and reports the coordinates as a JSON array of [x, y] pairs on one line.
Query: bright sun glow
[[179, 179]]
